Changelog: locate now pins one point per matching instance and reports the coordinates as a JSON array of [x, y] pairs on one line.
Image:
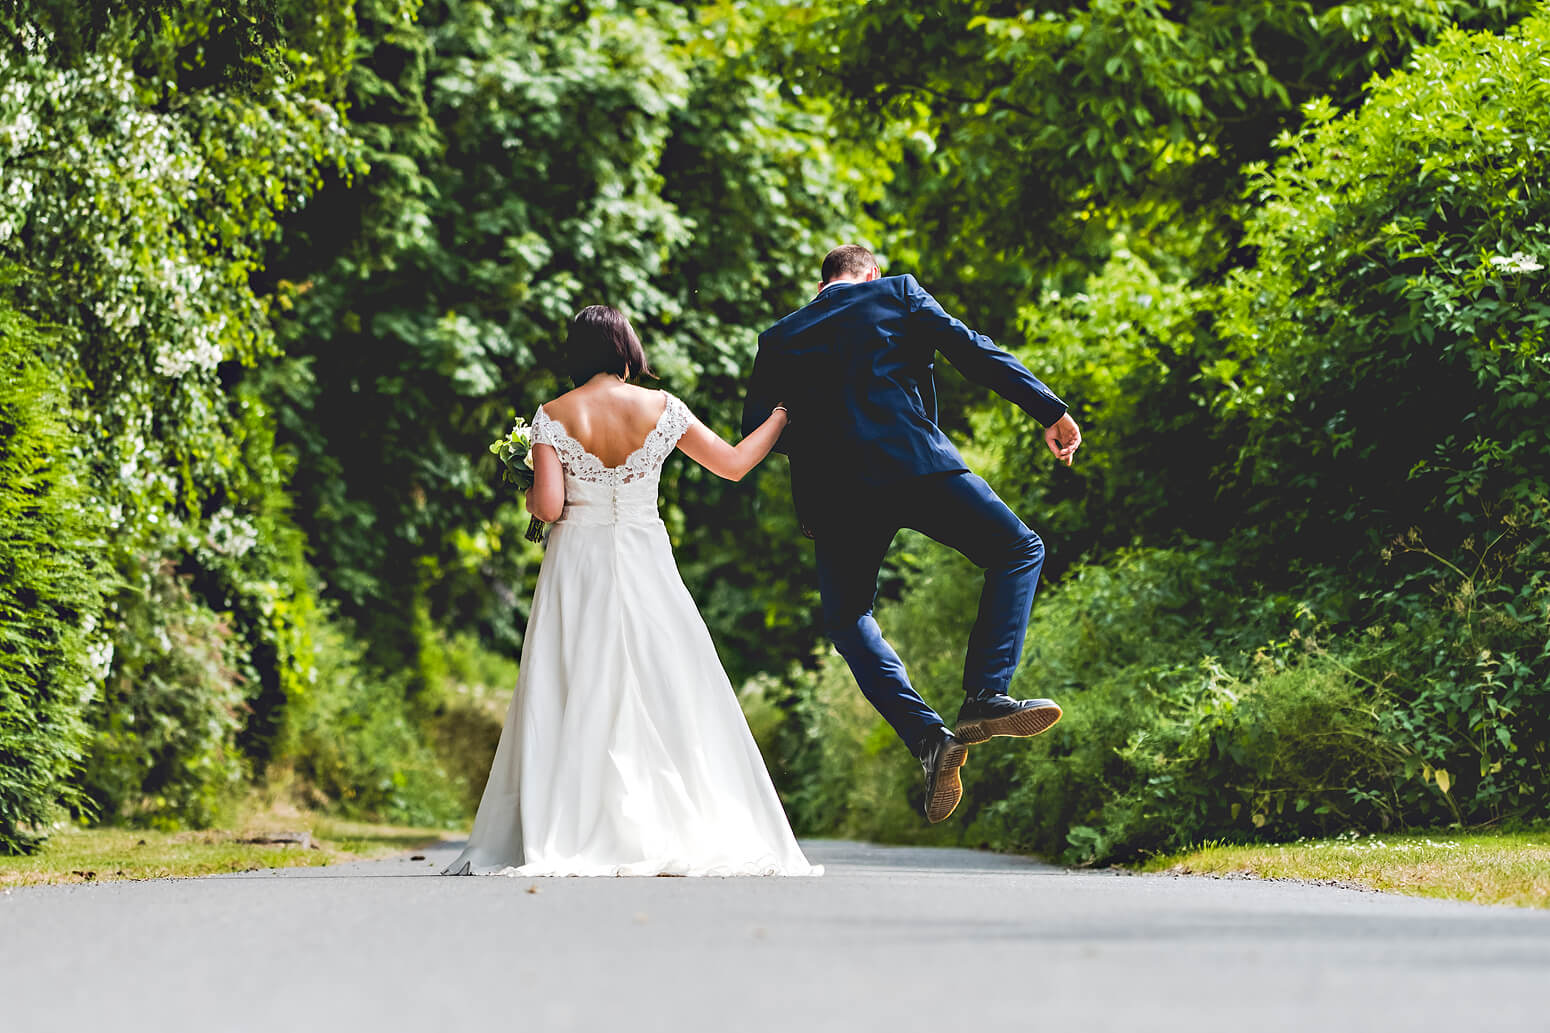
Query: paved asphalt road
[[890, 939]]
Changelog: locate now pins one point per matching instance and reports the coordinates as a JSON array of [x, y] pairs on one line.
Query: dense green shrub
[[1467, 660], [1189, 713], [464, 717], [50, 590], [1385, 352], [1193, 712], [357, 746], [1386, 357], [164, 748]]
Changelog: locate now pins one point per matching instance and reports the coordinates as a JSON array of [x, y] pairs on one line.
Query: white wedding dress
[[624, 750]]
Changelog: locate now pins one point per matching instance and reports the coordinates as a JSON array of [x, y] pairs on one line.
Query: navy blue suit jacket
[[854, 368]]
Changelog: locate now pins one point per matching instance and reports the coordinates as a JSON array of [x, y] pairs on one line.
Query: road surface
[[890, 939]]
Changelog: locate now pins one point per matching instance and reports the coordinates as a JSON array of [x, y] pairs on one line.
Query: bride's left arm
[[732, 462], [546, 498]]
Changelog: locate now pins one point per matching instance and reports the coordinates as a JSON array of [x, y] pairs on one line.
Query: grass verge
[[268, 840], [1480, 867]]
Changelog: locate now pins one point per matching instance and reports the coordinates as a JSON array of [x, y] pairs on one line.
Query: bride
[[624, 751]]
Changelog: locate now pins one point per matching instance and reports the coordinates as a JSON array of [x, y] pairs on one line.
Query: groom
[[854, 369]]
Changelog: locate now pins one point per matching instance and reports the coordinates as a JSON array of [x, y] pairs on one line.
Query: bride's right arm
[[706, 447], [546, 498]]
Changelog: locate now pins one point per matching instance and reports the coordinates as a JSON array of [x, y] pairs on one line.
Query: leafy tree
[[1386, 356], [1393, 326], [526, 160], [1042, 127]]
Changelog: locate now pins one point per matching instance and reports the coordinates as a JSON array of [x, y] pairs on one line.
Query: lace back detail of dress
[[646, 461]]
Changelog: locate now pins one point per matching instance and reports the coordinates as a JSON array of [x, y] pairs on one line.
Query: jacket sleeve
[[976, 357], [764, 392]]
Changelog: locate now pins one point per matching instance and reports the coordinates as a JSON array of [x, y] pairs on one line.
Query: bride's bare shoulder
[[651, 399], [562, 405], [629, 402], [638, 401]]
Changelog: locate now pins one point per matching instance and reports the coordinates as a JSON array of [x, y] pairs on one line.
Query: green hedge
[[50, 590]]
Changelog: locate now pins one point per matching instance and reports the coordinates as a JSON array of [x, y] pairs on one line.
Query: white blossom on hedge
[[231, 534], [1517, 262]]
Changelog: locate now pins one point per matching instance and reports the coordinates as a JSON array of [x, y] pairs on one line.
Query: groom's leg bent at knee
[[966, 515]]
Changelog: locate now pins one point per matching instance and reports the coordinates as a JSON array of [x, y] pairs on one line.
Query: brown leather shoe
[[943, 787], [981, 719]]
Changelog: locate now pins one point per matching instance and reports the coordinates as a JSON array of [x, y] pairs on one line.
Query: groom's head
[[851, 263]]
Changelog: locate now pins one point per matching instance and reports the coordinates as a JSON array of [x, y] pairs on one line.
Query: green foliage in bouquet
[[515, 452]]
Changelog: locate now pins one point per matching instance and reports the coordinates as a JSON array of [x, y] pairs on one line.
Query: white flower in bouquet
[[515, 451]]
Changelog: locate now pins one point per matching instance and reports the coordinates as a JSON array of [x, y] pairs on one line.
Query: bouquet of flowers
[[515, 451]]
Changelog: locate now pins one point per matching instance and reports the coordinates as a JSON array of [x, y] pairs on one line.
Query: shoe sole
[[1024, 723], [949, 787]]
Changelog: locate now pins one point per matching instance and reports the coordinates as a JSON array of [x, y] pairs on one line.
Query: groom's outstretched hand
[[1063, 437]]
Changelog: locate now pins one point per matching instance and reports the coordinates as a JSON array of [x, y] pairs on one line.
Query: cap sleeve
[[676, 418], [543, 429]]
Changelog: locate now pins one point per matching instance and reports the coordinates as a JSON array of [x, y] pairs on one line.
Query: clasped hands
[[1063, 438]]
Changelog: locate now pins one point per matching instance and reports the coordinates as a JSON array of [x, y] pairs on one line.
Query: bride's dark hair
[[601, 340]]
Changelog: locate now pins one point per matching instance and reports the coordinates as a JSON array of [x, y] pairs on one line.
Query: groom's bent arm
[[977, 357], [764, 393]]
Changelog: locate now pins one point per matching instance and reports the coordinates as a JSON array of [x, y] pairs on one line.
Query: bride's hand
[[1063, 437]]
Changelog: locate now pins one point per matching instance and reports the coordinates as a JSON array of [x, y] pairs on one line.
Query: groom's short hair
[[847, 260]]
